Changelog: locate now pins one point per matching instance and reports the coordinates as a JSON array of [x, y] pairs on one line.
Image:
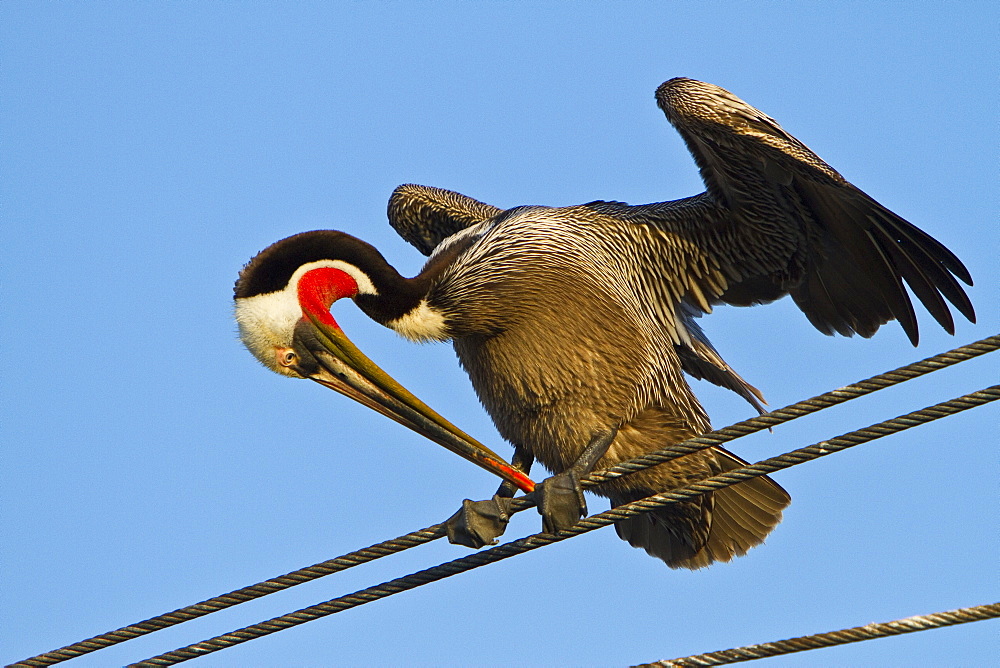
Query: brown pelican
[[576, 323]]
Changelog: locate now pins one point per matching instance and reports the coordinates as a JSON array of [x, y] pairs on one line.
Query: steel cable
[[421, 536], [857, 634], [805, 407], [591, 523]]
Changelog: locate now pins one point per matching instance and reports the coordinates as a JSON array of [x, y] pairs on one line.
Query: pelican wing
[[778, 220], [426, 216], [700, 359]]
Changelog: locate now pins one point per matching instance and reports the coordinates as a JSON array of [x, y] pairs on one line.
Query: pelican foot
[[479, 523], [560, 501]]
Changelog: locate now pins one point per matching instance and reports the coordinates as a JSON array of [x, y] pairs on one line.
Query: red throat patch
[[319, 288]]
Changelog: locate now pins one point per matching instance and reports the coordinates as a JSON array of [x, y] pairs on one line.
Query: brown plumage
[[575, 321], [571, 320]]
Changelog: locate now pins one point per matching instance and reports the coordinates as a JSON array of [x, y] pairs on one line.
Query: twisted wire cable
[[426, 576], [421, 536], [857, 634], [802, 408]]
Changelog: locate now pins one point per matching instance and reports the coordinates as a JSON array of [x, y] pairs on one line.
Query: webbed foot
[[560, 501], [479, 523]]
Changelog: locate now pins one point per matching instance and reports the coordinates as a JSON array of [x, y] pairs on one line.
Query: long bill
[[341, 366]]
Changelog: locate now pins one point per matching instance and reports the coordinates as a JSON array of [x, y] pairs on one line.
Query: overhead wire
[[806, 406], [872, 631], [507, 550], [421, 536]]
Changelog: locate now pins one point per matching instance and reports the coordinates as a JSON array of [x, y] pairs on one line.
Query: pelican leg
[[479, 523], [522, 461], [560, 499]]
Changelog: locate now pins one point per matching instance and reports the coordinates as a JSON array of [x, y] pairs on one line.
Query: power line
[[421, 536], [405, 583], [844, 636]]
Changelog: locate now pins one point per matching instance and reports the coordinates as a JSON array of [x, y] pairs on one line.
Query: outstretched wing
[[426, 216], [778, 220]]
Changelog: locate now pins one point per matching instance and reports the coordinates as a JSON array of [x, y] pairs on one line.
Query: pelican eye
[[288, 358]]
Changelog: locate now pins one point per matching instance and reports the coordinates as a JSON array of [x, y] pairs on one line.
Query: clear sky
[[150, 149]]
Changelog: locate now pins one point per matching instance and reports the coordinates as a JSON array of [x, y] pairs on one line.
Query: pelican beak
[[324, 354]]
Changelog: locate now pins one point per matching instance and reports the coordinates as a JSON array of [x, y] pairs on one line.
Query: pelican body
[[577, 324]]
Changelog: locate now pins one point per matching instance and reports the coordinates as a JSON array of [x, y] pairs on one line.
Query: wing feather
[[426, 216], [700, 359], [776, 219]]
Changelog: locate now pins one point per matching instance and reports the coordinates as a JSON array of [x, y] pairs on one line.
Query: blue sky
[[150, 149]]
